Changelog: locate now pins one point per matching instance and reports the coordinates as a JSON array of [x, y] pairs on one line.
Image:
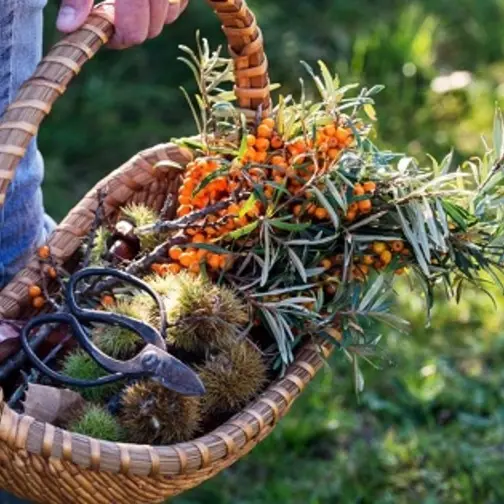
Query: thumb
[[72, 14]]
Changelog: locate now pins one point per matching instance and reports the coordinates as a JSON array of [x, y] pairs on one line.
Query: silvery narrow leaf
[[372, 238], [372, 292], [279, 292], [368, 220], [419, 229], [267, 256], [442, 217], [322, 241], [498, 134], [412, 240], [404, 164], [359, 377], [298, 265], [340, 198], [435, 235]]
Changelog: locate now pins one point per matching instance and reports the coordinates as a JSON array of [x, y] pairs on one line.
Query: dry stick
[[98, 219]]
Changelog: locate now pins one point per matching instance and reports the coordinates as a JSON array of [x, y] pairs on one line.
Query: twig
[[98, 219], [186, 220]]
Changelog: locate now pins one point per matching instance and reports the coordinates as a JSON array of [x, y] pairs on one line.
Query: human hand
[[134, 20]]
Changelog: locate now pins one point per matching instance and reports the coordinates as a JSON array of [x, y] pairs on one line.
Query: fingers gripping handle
[[21, 120]]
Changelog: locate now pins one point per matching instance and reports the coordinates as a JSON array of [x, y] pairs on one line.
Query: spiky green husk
[[97, 422], [99, 247], [142, 215], [152, 414], [232, 378], [79, 365], [204, 314], [119, 342]]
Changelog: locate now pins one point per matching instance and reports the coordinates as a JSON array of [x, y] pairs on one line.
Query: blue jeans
[[23, 224]]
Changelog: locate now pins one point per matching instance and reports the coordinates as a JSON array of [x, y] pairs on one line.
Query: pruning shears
[[153, 361]]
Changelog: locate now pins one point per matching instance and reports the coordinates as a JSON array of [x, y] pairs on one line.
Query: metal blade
[[170, 372]]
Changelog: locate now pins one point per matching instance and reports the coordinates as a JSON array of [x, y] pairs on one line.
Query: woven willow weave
[[46, 464]]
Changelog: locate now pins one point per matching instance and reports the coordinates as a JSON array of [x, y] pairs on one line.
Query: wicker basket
[[49, 465]]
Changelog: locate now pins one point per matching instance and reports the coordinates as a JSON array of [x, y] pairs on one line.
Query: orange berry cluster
[[37, 298], [378, 257], [268, 161], [362, 205]]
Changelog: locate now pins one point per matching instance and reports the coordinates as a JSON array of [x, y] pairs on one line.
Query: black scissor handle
[[62, 318], [148, 333]]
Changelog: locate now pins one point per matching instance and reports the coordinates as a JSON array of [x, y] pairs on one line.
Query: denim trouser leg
[[23, 225]]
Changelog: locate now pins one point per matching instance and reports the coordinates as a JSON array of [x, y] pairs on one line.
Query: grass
[[429, 427]]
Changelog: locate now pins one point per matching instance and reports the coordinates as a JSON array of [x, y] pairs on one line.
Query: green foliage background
[[430, 426]]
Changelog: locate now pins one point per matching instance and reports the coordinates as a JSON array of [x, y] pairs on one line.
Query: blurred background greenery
[[430, 425]]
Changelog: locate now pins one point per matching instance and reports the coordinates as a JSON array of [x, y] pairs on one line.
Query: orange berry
[[187, 258], [201, 253], [330, 130], [278, 161], [311, 208], [323, 147], [363, 269], [397, 246], [44, 252], [297, 210], [34, 291], [52, 273], [343, 134], [250, 154], [334, 154], [175, 253], [353, 207], [156, 267], [276, 142], [264, 131], [262, 144], [379, 247], [351, 216], [369, 187], [184, 200], [261, 157], [251, 140], [386, 257], [173, 268], [365, 205], [378, 264], [107, 300], [269, 121], [358, 190], [326, 263], [321, 213], [38, 302], [195, 267], [406, 252], [213, 261], [199, 238], [279, 179], [368, 260], [184, 210]]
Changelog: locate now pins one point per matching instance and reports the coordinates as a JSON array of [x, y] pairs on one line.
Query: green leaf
[[288, 226], [248, 206], [370, 111], [244, 231]]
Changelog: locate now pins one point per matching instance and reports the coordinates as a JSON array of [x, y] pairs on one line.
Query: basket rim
[[228, 442]]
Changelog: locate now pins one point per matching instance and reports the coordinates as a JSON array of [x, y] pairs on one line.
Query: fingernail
[[66, 17]]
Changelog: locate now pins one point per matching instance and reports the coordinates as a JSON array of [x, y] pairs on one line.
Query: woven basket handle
[[21, 120]]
